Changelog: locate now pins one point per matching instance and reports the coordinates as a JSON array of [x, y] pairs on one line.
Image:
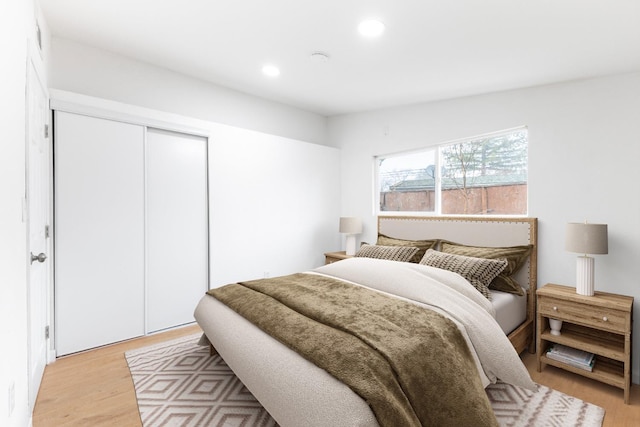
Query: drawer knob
[[604, 319], [555, 308]]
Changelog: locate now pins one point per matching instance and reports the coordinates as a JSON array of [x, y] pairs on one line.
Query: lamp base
[[585, 268], [351, 244]]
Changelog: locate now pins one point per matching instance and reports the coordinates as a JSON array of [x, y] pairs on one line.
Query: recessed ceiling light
[[371, 28], [270, 70]]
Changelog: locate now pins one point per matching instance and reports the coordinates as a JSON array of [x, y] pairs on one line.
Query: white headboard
[[475, 231]]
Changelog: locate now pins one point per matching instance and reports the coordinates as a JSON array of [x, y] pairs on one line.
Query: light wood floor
[[94, 388]]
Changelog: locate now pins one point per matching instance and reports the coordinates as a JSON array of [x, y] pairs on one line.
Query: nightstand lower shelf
[[606, 371]]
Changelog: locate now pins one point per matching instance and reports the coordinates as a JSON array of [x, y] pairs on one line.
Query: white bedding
[[296, 392], [511, 309]]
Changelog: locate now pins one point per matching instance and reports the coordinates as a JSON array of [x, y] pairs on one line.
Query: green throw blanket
[[411, 365]]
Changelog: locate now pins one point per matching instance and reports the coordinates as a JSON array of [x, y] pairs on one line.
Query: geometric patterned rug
[[178, 384], [515, 406]]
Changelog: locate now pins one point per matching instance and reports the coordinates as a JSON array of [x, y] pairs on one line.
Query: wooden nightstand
[[330, 257], [600, 324]]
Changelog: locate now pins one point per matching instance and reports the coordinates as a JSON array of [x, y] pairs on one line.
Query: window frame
[[437, 212]]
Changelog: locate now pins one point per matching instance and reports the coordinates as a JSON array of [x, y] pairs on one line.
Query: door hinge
[[46, 131], [46, 332], [46, 232]]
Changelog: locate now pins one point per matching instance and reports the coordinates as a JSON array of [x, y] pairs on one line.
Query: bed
[[295, 391]]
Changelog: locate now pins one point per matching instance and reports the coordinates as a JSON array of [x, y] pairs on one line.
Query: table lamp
[[585, 238], [351, 226]]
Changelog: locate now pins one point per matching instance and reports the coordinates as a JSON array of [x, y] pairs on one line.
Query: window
[[485, 175]]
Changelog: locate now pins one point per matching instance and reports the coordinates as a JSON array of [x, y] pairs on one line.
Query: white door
[[99, 239], [176, 227], [38, 207]]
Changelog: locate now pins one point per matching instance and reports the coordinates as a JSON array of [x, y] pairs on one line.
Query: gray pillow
[[393, 253], [516, 256], [478, 271]]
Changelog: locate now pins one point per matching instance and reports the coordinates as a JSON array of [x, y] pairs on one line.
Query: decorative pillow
[[393, 253], [422, 245], [515, 256], [478, 271]]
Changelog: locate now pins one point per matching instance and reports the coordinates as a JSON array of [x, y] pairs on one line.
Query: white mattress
[[511, 309], [293, 390]]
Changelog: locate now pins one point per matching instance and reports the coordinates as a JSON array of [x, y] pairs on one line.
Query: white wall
[[274, 204], [91, 71], [584, 146]]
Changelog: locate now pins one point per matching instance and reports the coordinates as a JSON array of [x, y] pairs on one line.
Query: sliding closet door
[[176, 227], [99, 239]]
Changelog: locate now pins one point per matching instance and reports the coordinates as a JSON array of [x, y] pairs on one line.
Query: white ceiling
[[431, 49]]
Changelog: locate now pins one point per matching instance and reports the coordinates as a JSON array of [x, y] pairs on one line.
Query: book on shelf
[[571, 356]]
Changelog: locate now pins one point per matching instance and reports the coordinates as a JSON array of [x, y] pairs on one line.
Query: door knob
[[40, 258]]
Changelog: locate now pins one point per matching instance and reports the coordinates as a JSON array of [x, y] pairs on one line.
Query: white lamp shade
[[584, 238], [350, 225]]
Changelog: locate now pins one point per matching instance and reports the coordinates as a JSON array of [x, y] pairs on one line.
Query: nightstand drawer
[[600, 317]]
